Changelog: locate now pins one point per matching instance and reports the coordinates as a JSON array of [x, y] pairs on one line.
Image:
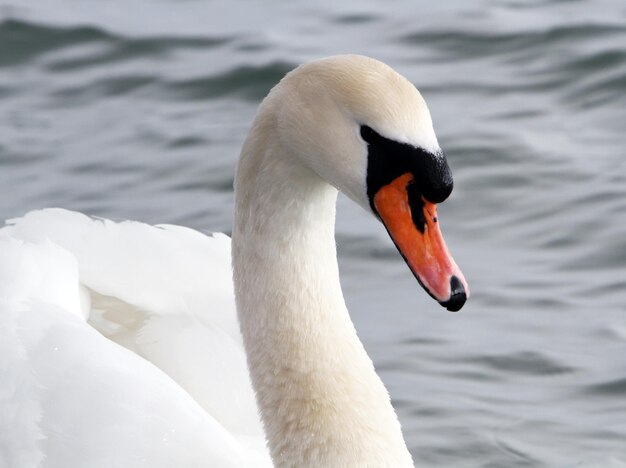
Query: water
[[138, 109]]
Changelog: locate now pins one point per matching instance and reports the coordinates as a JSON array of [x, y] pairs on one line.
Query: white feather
[[93, 403]]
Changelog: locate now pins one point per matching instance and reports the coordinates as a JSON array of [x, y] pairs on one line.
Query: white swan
[[176, 393]]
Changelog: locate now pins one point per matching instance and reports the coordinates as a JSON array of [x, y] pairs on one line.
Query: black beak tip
[[457, 296]]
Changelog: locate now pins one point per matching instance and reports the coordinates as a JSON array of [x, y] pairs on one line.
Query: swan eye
[[368, 134]]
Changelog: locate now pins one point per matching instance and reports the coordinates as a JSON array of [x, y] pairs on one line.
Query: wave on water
[[22, 41], [117, 65]]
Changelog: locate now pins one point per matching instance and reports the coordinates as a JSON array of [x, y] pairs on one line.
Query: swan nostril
[[458, 295]]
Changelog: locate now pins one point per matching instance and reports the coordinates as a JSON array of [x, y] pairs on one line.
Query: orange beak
[[413, 226]]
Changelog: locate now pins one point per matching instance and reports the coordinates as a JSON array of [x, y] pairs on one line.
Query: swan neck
[[321, 402]]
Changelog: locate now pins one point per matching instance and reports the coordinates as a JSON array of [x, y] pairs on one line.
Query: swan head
[[366, 129]]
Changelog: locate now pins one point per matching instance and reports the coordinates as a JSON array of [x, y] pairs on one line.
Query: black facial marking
[[417, 206], [388, 159], [368, 134]]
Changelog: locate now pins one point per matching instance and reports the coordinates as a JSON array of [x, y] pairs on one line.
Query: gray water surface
[[138, 110]]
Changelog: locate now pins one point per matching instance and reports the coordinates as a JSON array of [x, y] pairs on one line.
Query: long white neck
[[321, 402]]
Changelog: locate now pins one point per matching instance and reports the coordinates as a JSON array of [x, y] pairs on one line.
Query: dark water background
[[138, 109]]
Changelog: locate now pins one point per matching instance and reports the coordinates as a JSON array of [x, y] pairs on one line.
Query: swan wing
[[119, 347]]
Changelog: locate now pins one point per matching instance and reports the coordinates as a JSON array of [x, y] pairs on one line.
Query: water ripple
[[525, 362], [247, 82], [479, 44], [613, 388], [22, 41]]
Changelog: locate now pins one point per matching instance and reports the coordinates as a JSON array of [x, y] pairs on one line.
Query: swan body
[[70, 395], [121, 343]]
